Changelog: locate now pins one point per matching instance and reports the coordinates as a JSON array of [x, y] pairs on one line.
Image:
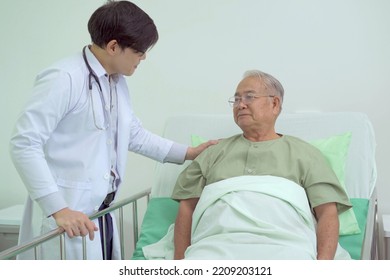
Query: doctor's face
[[127, 61]]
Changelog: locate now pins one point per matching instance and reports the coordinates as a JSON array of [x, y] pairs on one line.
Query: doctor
[[71, 141]]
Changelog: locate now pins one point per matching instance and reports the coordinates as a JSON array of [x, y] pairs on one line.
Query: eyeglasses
[[246, 99]]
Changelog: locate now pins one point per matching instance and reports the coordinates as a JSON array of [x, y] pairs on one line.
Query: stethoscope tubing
[[95, 77]]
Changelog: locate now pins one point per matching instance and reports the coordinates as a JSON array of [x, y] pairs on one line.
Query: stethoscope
[[91, 76]]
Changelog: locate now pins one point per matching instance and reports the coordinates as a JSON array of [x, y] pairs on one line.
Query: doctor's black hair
[[124, 22]]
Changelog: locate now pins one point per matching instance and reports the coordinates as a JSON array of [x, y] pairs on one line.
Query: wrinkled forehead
[[254, 85]]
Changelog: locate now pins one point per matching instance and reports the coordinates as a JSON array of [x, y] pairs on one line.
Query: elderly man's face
[[258, 112]]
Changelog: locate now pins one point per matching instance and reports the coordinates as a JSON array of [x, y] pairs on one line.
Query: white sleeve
[[177, 153], [154, 146], [47, 106]]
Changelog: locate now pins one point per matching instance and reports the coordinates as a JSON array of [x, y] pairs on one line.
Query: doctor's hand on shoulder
[[75, 223], [193, 152]]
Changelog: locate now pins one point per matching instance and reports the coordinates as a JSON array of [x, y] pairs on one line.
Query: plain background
[[329, 55]]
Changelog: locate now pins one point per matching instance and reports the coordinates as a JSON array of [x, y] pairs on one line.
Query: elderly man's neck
[[258, 136]]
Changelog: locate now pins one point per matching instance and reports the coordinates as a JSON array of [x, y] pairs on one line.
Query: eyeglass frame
[[247, 99]]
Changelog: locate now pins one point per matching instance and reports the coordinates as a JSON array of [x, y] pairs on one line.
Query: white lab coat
[[61, 155]]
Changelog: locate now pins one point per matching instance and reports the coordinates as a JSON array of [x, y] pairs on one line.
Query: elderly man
[[261, 151]]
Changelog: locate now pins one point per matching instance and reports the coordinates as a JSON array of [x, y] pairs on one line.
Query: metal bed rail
[[59, 232], [369, 249]]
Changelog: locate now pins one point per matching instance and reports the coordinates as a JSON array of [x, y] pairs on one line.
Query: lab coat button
[[106, 176], [107, 107], [109, 142]]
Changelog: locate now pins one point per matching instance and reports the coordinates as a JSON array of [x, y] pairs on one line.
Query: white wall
[[329, 55]]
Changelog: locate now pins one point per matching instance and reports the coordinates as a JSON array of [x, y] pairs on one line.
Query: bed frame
[[132, 205]]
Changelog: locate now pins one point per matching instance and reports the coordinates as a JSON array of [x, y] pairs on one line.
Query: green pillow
[[335, 150], [160, 214], [353, 243], [196, 140]]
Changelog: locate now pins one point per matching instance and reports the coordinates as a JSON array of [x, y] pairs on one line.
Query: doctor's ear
[[113, 47]]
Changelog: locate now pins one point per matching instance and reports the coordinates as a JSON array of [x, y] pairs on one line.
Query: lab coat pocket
[[77, 194]]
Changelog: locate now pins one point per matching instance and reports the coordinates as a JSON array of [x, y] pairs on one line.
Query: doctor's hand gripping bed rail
[[132, 201]]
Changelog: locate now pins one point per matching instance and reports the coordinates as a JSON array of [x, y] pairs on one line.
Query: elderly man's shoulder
[[295, 139], [230, 139], [299, 143], [225, 142]]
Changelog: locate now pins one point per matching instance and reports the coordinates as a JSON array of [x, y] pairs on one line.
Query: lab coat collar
[[97, 67]]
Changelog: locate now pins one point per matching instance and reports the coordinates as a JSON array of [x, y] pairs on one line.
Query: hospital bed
[[346, 138]]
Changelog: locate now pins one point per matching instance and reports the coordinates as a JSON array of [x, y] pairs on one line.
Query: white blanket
[[248, 217]]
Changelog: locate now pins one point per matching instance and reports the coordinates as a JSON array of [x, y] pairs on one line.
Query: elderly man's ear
[[277, 104]]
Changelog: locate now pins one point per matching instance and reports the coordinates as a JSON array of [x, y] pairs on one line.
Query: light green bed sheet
[[161, 213]]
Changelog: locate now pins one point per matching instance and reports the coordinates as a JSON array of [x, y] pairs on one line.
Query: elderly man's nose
[[241, 104]]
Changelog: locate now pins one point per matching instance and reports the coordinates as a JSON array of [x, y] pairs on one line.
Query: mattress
[[161, 213]]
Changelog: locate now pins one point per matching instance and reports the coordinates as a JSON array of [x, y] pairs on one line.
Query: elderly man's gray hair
[[270, 81]]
